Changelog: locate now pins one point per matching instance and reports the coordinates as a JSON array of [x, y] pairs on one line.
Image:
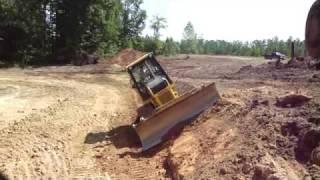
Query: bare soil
[[125, 57], [75, 122], [46, 115]]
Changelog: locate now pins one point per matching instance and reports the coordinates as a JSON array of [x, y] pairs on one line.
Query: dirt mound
[[292, 100], [126, 56], [183, 87], [284, 72]]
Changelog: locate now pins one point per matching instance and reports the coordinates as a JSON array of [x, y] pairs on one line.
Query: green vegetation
[[157, 24], [193, 44], [254, 48], [154, 44], [56, 31], [190, 42]]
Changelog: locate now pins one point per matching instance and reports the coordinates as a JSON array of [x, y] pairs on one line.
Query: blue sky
[[231, 19]]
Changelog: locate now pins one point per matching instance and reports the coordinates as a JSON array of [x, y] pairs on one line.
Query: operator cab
[[148, 76]]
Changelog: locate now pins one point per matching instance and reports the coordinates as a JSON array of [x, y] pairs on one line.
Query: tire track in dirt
[[50, 142]]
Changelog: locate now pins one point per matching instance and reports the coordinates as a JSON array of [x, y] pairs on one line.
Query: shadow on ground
[[120, 137], [3, 177], [126, 137]]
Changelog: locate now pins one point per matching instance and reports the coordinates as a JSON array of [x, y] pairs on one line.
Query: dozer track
[[155, 129]]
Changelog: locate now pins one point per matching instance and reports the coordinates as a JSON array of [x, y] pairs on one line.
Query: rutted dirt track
[[73, 122]]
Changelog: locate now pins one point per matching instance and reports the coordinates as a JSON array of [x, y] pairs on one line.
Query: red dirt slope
[[126, 56]]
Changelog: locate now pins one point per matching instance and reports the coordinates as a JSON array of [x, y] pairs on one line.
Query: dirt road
[[74, 122]]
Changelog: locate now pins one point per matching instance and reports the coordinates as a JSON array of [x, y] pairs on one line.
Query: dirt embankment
[[125, 57]]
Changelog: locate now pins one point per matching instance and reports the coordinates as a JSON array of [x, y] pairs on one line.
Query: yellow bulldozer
[[163, 107]]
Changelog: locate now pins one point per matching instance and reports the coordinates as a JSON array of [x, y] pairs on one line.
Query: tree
[[36, 30], [71, 23], [189, 42], [170, 47], [153, 44], [189, 32], [200, 45], [150, 44], [102, 32], [23, 28], [132, 21], [157, 24]]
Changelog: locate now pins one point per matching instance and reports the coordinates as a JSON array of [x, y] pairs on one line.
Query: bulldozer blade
[[155, 129]]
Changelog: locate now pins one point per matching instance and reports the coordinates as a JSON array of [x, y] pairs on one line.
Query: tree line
[[191, 43], [58, 31]]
